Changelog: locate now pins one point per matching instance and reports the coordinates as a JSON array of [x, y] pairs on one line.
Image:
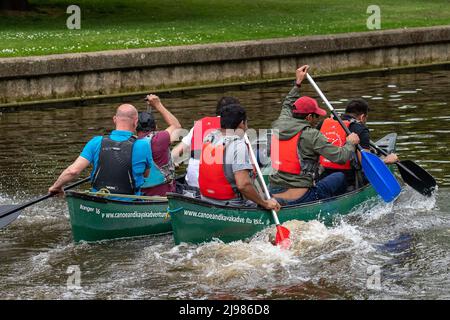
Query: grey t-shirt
[[236, 158]]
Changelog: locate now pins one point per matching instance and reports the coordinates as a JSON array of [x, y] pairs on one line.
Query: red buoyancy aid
[[201, 128], [212, 180], [337, 136], [284, 154]]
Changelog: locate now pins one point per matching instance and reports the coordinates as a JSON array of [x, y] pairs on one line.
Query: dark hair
[[231, 116], [224, 101], [304, 115], [146, 122], [357, 107]]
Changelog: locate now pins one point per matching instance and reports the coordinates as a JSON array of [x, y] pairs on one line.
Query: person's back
[[161, 176], [193, 141], [296, 147], [220, 158], [201, 129], [355, 118], [225, 173], [119, 160]]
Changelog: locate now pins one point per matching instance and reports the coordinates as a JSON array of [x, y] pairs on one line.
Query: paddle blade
[[416, 177], [282, 237], [379, 176], [7, 215]]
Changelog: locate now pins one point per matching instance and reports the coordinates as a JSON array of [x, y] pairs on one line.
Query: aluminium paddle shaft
[[282, 237], [347, 131], [260, 176]]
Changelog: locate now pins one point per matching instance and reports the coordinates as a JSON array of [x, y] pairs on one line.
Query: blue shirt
[[141, 156]]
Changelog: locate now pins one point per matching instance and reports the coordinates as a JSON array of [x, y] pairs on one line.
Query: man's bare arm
[[169, 118], [248, 190], [69, 174]]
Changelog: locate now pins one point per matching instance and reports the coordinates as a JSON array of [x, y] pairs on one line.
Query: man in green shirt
[[296, 147]]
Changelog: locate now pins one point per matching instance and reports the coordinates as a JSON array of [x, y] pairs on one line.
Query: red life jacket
[[201, 128], [212, 180], [336, 135], [284, 154]]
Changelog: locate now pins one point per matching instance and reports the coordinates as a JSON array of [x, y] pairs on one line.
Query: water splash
[[411, 199], [257, 264]]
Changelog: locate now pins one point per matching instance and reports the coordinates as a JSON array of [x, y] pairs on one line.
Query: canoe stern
[[96, 218]]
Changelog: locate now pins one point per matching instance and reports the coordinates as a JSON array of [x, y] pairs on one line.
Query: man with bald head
[[119, 160]]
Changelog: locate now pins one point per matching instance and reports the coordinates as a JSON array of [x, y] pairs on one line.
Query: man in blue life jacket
[[120, 161]]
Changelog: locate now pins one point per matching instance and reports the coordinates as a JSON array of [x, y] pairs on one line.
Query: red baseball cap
[[308, 105]]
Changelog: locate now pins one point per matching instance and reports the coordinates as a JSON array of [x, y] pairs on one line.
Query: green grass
[[114, 24]]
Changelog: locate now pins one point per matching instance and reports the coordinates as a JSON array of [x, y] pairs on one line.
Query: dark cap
[[146, 122]]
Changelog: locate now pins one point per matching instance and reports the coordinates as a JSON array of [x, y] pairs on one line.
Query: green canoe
[[197, 221], [95, 218]]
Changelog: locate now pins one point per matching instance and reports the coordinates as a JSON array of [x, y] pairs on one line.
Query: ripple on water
[[407, 91], [407, 106]]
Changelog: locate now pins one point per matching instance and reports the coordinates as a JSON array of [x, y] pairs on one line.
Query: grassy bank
[[114, 24]]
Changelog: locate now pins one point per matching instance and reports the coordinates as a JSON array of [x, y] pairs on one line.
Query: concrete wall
[[85, 75]]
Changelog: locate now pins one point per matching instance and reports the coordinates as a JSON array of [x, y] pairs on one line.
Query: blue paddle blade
[[378, 174]]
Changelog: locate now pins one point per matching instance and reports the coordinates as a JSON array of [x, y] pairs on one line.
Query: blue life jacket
[[159, 175]]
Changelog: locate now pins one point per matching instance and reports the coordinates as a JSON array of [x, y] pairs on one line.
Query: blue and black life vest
[[114, 170]]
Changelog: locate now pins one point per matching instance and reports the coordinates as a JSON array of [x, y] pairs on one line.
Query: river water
[[399, 250]]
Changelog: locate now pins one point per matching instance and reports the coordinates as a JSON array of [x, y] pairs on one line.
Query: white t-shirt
[[193, 165], [193, 168]]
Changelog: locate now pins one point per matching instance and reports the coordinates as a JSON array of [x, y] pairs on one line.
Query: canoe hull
[[96, 218], [195, 221]]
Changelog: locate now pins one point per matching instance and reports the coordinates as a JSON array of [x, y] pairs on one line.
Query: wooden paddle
[[413, 175], [9, 213], [282, 237], [378, 174]]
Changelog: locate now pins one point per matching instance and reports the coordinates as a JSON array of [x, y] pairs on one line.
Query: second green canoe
[[197, 221]]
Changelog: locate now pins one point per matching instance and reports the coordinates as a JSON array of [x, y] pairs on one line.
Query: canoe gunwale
[[89, 197], [204, 203]]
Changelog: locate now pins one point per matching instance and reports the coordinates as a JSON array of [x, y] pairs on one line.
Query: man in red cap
[[296, 148]]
